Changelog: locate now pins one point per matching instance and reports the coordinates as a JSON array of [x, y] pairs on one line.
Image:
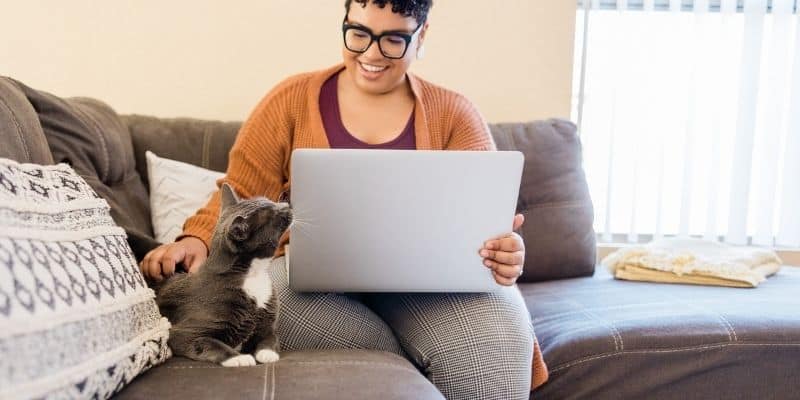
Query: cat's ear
[[238, 231], [229, 197]]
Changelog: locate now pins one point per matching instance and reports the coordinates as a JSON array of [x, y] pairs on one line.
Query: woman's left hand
[[505, 254]]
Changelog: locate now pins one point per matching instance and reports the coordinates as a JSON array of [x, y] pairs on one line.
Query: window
[[689, 113]]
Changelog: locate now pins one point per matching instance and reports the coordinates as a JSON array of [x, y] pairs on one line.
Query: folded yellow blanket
[[693, 261]]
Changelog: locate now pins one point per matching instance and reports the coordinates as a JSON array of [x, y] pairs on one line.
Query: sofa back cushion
[[89, 136], [198, 142], [554, 197], [21, 133]]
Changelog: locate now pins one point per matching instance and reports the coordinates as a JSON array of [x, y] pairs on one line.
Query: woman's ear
[[421, 42], [422, 34]]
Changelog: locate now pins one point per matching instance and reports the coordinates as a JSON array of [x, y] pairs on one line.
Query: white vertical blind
[[720, 91], [773, 117], [691, 119], [754, 12], [789, 226], [672, 5]]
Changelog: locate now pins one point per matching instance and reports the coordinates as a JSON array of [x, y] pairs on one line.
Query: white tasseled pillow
[[177, 191]]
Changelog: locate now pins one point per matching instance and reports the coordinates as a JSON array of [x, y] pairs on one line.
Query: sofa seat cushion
[[609, 339], [329, 374]]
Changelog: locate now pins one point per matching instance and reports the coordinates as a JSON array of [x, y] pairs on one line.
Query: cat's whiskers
[[298, 225], [298, 221]]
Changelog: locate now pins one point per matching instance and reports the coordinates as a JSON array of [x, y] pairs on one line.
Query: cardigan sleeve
[[469, 131], [256, 160]]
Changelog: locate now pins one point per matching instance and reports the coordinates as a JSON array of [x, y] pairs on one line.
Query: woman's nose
[[374, 51]]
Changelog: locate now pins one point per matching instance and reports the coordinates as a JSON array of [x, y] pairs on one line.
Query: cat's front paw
[[267, 356], [242, 360]]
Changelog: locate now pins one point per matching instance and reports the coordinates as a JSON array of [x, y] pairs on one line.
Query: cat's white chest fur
[[257, 283]]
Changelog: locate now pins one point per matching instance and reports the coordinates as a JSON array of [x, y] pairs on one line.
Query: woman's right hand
[[160, 262]]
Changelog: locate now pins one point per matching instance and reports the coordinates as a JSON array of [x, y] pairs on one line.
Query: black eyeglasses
[[392, 44]]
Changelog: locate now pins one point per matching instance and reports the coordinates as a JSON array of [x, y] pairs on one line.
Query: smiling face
[[370, 71]]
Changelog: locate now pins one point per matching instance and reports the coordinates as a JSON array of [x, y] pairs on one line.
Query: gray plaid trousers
[[471, 346]]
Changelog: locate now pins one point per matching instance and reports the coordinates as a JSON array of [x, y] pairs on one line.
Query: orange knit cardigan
[[289, 118]]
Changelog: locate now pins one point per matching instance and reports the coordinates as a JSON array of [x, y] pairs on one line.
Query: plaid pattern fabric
[[471, 346], [325, 321]]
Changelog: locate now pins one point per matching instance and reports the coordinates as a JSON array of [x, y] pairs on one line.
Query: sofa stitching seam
[[272, 381], [619, 345], [735, 337], [726, 324], [549, 317], [556, 204], [206, 147], [106, 167], [20, 136], [264, 390], [513, 141], [674, 350], [320, 362]]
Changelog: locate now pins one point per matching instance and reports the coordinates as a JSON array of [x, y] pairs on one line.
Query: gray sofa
[[601, 338]]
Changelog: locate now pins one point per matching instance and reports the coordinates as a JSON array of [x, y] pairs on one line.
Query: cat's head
[[252, 226]]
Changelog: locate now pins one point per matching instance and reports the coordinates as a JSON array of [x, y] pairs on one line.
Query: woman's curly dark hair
[[407, 8]]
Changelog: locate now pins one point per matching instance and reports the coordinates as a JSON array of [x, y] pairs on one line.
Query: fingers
[[503, 257], [169, 259], [503, 274], [519, 219], [160, 262], [194, 263], [149, 261], [188, 262], [503, 280], [511, 242], [196, 253], [504, 270], [508, 271]]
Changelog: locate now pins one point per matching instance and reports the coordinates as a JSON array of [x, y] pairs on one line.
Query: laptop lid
[[398, 220]]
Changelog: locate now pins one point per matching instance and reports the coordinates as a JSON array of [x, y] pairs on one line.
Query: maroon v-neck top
[[340, 138]]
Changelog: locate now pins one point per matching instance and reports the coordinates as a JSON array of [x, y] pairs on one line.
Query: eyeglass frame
[[373, 38]]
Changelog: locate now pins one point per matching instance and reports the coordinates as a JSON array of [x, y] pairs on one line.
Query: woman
[[371, 102]]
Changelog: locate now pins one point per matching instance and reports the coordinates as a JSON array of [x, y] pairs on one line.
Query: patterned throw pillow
[[76, 317]]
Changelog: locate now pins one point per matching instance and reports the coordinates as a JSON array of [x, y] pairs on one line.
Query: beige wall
[[215, 59]]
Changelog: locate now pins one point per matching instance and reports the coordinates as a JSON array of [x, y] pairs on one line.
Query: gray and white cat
[[228, 305]]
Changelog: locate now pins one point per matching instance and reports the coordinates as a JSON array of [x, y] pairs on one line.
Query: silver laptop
[[398, 220]]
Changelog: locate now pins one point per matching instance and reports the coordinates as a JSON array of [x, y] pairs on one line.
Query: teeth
[[372, 68]]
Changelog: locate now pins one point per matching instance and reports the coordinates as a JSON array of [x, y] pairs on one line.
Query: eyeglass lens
[[392, 46]]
